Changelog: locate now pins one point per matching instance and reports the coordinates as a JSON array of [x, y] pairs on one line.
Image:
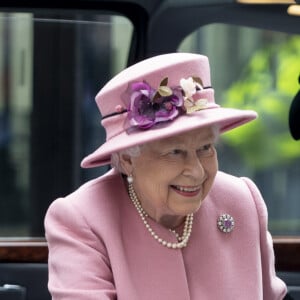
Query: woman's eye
[[176, 152], [205, 150]]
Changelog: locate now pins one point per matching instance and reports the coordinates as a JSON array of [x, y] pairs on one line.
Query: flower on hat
[[147, 106], [191, 86]]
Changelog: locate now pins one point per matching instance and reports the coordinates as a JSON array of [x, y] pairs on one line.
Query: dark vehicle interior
[[55, 56]]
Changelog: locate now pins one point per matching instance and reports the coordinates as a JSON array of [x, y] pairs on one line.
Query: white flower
[[195, 106], [188, 86], [201, 103]]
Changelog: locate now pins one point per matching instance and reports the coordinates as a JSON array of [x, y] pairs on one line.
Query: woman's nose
[[193, 167]]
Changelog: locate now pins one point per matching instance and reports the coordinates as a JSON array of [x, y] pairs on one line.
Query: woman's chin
[[190, 207]]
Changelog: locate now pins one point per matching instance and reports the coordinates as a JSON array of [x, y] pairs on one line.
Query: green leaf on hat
[[164, 91], [198, 80]]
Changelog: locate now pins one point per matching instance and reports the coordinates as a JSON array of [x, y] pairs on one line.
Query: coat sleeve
[[274, 287], [79, 268]]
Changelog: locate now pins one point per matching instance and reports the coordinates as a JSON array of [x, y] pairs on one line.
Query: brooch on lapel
[[225, 223]]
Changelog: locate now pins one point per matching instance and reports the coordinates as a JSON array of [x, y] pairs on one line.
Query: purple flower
[[141, 112], [147, 107], [169, 107]]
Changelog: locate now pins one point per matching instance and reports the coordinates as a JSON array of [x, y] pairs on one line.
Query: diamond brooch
[[225, 223]]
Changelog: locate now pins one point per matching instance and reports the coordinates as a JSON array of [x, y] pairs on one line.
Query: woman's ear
[[126, 163]]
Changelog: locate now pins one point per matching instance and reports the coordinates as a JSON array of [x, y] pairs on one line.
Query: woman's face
[[172, 176]]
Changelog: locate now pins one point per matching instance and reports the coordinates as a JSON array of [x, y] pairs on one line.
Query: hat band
[[115, 113]]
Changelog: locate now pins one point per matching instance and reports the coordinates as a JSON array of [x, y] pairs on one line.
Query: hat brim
[[226, 118]]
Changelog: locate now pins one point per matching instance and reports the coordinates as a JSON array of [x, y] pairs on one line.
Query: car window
[[51, 67], [258, 69]]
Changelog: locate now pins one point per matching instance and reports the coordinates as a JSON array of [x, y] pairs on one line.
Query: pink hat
[[158, 98]]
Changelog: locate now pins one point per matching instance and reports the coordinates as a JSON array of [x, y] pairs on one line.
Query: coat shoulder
[[227, 184], [97, 199], [102, 189], [240, 192]]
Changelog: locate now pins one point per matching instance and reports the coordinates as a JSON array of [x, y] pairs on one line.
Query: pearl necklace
[[187, 230]]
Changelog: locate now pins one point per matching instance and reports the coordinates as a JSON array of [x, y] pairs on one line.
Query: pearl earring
[[130, 179]]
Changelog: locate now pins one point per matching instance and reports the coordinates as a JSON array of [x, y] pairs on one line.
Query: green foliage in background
[[268, 84]]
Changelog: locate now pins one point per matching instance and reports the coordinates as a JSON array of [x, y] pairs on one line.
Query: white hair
[[133, 151], [216, 131]]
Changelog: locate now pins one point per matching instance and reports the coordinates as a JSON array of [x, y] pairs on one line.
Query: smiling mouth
[[187, 190]]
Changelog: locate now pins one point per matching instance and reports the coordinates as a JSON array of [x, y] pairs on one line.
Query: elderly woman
[[164, 223]]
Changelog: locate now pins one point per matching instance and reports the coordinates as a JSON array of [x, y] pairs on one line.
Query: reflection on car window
[[32, 121], [259, 70]]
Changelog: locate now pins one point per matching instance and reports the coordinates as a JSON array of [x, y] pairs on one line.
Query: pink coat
[[99, 249]]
